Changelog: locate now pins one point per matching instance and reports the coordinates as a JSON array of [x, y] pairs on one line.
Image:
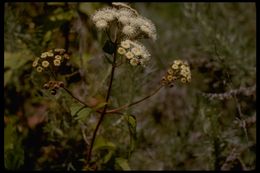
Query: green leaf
[[13, 150], [100, 105], [47, 37], [74, 108], [80, 112], [84, 114], [58, 132], [7, 77], [101, 143], [16, 60], [109, 47], [123, 163], [131, 122], [108, 156]]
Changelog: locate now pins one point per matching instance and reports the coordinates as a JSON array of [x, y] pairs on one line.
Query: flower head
[[179, 70], [44, 55], [35, 62], [101, 24], [45, 64], [124, 20], [125, 44], [121, 50], [39, 69], [129, 30], [56, 62], [129, 55], [58, 57], [136, 51], [134, 61]]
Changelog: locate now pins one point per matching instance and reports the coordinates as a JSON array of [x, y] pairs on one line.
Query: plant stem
[[136, 102], [105, 108], [85, 105]]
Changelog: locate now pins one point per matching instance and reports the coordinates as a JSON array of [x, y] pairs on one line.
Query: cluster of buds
[[131, 23], [50, 59], [135, 52], [178, 70], [53, 86]]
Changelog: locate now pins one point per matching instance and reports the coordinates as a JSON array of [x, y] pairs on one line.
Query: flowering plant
[[124, 27]]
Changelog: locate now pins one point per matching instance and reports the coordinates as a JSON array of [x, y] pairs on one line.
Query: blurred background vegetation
[[206, 125]]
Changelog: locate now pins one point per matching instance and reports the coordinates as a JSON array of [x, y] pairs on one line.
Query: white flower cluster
[[131, 23], [135, 52]]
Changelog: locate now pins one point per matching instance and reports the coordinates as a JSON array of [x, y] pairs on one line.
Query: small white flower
[[125, 44], [44, 55], [121, 50], [58, 57], [45, 64], [107, 14], [123, 19], [175, 66], [39, 69], [147, 27], [125, 12], [49, 54], [134, 61], [128, 30], [56, 62], [35, 62], [109, 17], [101, 24], [129, 55], [136, 51]]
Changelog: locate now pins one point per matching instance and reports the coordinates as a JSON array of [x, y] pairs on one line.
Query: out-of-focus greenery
[[180, 128]]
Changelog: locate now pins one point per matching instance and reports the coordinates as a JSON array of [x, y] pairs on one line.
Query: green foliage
[[13, 149], [131, 122]]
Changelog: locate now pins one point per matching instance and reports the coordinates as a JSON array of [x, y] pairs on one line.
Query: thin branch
[[70, 93], [136, 102]]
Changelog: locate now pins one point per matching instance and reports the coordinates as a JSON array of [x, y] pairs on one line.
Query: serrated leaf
[[123, 163]]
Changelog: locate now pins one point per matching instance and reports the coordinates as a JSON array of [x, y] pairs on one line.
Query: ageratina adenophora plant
[[125, 29]]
